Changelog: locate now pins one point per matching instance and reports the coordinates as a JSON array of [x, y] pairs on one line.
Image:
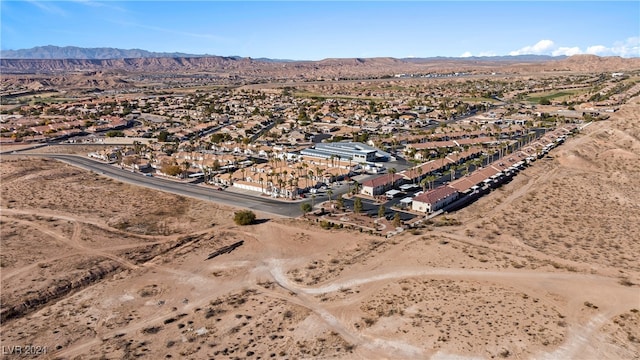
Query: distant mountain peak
[[74, 52]]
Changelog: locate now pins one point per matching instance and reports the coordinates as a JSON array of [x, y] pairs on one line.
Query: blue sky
[[305, 30]]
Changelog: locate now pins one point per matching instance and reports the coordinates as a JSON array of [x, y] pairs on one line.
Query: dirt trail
[[75, 245], [572, 285], [81, 220], [373, 346], [8, 274]]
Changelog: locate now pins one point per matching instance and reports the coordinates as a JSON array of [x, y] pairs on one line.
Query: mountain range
[[53, 59], [74, 52], [106, 53]]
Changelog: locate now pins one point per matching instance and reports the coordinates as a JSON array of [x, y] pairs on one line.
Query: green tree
[[424, 183], [114, 133], [396, 220], [306, 207], [545, 101], [452, 171], [357, 205], [302, 116], [216, 165], [339, 202], [329, 193], [356, 187], [432, 180], [244, 217], [381, 211], [171, 169], [163, 136]]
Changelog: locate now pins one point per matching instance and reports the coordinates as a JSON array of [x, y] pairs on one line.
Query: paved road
[[191, 190]]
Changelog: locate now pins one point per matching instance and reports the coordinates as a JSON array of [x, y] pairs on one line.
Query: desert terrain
[[545, 267]]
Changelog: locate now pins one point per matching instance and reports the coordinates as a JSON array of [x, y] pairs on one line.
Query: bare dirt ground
[[544, 268]]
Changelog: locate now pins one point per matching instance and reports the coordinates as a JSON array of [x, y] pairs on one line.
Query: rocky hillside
[[327, 69]]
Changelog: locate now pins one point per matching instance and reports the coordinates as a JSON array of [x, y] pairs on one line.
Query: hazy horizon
[[319, 30]]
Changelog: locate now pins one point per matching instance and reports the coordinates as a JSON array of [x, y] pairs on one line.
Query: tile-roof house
[[380, 184], [435, 199]]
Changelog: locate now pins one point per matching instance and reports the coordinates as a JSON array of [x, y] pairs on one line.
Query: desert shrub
[[626, 282], [305, 207], [369, 321], [327, 224], [244, 217], [152, 330]]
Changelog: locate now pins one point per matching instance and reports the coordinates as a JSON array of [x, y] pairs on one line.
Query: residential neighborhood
[[328, 140]]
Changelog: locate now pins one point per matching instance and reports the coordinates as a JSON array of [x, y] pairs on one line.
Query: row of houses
[[492, 175], [380, 184]]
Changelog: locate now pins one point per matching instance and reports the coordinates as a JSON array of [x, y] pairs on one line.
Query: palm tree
[[261, 184], [280, 185], [392, 172], [424, 183], [329, 193], [355, 188], [186, 166], [313, 200], [431, 180], [291, 188], [453, 170]]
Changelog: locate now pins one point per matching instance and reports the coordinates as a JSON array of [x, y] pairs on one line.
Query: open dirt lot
[[546, 267]]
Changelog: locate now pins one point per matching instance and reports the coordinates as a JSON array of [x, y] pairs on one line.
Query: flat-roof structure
[[355, 151]]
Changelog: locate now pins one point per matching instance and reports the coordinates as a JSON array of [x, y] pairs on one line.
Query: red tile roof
[[382, 180], [433, 196]]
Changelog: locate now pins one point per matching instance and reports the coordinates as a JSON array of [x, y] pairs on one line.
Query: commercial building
[[354, 151]]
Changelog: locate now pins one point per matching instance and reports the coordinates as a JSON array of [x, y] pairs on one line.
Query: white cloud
[[628, 48], [598, 50], [541, 47], [566, 51]]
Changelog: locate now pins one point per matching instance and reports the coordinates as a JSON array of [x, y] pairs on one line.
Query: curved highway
[[186, 189]]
